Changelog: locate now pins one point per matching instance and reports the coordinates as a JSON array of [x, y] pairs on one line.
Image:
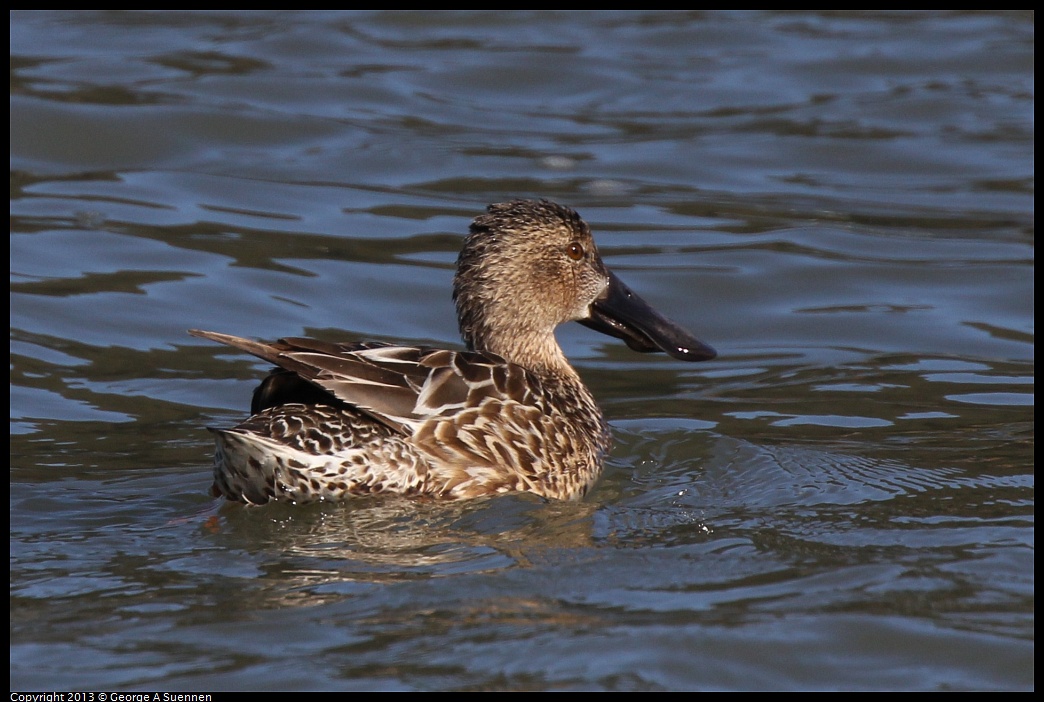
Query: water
[[840, 203]]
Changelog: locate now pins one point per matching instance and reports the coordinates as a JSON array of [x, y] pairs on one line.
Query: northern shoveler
[[334, 420]]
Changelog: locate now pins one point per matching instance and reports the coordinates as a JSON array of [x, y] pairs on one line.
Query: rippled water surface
[[841, 204]]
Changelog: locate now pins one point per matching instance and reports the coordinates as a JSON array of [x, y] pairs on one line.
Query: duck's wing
[[399, 386]]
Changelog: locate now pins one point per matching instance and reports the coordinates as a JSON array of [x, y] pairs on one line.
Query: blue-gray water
[[840, 203]]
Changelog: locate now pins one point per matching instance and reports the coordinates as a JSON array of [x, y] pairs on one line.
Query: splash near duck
[[333, 420]]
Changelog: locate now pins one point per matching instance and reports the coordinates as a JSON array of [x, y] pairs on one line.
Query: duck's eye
[[575, 251]]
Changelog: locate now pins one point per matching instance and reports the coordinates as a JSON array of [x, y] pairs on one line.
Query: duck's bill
[[621, 313]]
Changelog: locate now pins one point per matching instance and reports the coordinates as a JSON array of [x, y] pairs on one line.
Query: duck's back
[[408, 420]]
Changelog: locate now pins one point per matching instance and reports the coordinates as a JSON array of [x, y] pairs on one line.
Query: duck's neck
[[538, 353], [518, 341], [518, 334]]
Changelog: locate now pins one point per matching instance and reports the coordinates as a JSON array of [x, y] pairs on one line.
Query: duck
[[336, 420]]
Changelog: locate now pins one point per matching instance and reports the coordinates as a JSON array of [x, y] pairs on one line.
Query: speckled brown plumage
[[509, 414]]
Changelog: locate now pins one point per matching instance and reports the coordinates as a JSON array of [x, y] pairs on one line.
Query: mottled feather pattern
[[482, 425], [334, 420]]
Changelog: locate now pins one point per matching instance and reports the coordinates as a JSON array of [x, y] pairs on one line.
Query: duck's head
[[528, 266]]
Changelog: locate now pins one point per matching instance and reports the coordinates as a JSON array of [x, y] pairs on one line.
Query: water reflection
[[843, 202]]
